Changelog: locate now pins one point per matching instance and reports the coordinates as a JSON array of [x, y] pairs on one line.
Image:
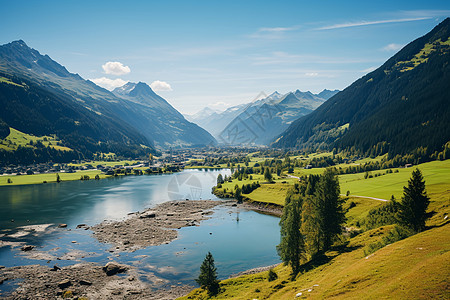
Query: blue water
[[235, 245]]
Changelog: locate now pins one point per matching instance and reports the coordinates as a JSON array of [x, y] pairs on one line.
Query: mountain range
[[260, 121], [402, 106], [39, 96]]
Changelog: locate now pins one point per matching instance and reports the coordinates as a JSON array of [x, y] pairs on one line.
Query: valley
[[225, 150]]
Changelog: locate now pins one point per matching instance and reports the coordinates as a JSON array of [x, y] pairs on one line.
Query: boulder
[[85, 282], [62, 225], [113, 268], [64, 284], [27, 248], [147, 214]]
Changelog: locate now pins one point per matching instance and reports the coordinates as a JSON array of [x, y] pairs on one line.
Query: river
[[239, 239]]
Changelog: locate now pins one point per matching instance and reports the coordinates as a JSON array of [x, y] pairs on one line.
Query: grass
[[7, 81], [436, 174], [346, 273], [360, 210], [270, 193], [49, 177], [17, 138], [416, 267]]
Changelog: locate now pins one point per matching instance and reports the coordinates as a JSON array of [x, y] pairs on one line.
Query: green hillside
[[398, 108]]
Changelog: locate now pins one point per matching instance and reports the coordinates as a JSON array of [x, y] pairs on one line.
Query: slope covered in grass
[[414, 268]]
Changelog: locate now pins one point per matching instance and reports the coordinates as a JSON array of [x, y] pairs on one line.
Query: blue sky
[[220, 53]]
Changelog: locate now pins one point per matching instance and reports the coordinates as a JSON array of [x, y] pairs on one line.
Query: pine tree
[[291, 248], [330, 208], [414, 204], [268, 175], [208, 275]]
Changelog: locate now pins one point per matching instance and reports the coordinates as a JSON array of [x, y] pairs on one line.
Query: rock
[[234, 205], [113, 268], [82, 226], [3, 280], [126, 242], [27, 248], [85, 282], [298, 295], [147, 214], [74, 242], [55, 268], [170, 214], [64, 284], [62, 225]]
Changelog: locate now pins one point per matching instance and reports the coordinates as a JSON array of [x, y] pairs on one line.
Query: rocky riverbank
[[83, 281], [154, 226]]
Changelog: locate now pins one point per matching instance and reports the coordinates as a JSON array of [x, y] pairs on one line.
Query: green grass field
[[17, 138], [40, 178], [436, 174]]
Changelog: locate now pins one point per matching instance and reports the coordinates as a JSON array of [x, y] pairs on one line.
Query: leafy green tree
[[414, 203], [208, 275], [267, 175], [291, 248]]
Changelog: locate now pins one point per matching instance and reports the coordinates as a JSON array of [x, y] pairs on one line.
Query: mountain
[[200, 115], [158, 120], [215, 122], [139, 114], [398, 108], [261, 121]]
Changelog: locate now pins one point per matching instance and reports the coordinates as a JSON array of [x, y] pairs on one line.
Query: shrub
[[272, 275]]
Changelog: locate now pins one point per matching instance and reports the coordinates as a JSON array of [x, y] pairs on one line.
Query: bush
[[271, 276], [398, 233], [382, 215]]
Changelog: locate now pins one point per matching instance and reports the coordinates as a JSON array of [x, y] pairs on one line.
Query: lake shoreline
[[150, 227]]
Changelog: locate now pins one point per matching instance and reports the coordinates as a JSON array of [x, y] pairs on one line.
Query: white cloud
[[312, 74], [366, 23], [108, 83], [159, 86], [115, 68], [392, 47]]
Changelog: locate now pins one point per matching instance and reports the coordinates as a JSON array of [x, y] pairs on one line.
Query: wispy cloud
[[392, 47], [368, 70], [367, 23], [277, 29], [273, 32]]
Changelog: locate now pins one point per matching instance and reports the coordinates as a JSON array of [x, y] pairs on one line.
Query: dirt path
[[379, 199]]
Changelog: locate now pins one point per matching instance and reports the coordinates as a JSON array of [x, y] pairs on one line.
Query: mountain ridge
[[399, 107]]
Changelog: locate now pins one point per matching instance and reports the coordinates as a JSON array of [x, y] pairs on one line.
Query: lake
[[239, 239]]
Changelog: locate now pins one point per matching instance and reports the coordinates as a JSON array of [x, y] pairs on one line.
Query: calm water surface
[[236, 245]]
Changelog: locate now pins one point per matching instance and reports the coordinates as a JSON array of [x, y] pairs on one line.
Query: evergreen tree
[[268, 175], [312, 226], [238, 194], [330, 208], [208, 275], [414, 204], [220, 179], [291, 248]]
